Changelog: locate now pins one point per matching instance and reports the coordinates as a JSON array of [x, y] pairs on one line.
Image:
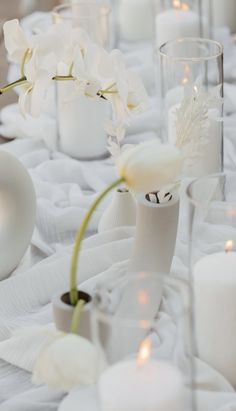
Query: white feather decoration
[[193, 120]]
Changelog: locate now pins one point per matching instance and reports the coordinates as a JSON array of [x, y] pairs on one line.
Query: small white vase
[[155, 237], [63, 313], [120, 212]]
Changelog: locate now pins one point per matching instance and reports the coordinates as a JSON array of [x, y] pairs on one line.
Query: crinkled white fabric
[[65, 188]]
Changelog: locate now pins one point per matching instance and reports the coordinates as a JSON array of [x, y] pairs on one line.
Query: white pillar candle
[[176, 23], [135, 19], [129, 386], [224, 13], [81, 123], [215, 312]]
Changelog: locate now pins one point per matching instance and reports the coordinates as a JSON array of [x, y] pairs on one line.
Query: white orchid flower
[[16, 42], [67, 362], [150, 166], [127, 93], [39, 77]]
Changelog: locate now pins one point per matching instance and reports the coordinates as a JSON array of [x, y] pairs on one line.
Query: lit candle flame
[[142, 297], [229, 245], [177, 4], [186, 74], [144, 352]]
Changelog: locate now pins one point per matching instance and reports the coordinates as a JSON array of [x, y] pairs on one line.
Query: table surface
[[65, 190]]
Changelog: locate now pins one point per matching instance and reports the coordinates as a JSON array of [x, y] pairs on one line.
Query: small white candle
[[136, 19], [139, 386], [81, 124], [176, 23], [215, 311], [224, 13]]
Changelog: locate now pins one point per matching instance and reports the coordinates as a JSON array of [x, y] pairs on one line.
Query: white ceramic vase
[[17, 212], [155, 237], [120, 212], [63, 312]]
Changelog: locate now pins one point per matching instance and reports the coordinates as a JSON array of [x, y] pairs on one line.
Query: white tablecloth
[[65, 188]]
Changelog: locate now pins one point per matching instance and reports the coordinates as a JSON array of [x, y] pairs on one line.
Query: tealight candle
[[177, 22], [142, 385], [135, 19], [215, 311]]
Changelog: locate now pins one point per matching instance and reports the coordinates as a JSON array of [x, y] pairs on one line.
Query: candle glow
[[177, 4], [229, 245], [144, 352]]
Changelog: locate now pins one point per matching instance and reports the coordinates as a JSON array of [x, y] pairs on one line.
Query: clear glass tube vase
[[212, 205], [141, 325], [191, 74], [81, 120]]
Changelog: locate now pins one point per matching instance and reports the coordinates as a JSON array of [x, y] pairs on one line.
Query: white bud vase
[[120, 212], [155, 237]]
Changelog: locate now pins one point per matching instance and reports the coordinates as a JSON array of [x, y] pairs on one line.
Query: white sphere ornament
[[17, 212]]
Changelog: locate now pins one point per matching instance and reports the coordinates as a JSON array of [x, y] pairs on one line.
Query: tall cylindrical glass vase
[[191, 73]]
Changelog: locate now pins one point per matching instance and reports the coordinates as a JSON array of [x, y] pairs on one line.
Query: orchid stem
[[76, 316], [27, 54], [10, 86], [63, 78], [79, 238]]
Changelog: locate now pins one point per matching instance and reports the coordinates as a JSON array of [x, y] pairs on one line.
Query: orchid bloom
[[33, 92], [16, 42], [65, 53]]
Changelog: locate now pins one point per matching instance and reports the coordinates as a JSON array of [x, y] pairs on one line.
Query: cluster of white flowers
[[67, 54]]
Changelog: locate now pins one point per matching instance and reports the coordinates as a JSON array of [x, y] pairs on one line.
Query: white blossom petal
[[16, 41], [150, 166], [67, 362]]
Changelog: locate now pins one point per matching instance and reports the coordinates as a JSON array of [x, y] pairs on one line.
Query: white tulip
[[68, 361], [150, 166]]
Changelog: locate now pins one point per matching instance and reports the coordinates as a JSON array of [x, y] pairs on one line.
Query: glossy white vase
[[155, 237], [17, 212], [120, 212]]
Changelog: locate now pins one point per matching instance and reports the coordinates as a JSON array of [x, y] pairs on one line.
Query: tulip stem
[[76, 317], [79, 238], [10, 86]]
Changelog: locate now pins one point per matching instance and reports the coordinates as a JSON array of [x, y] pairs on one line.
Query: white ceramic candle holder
[[17, 212]]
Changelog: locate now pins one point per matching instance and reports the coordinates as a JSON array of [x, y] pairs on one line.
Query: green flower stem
[[28, 54], [64, 78], [79, 238], [76, 317], [10, 86]]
